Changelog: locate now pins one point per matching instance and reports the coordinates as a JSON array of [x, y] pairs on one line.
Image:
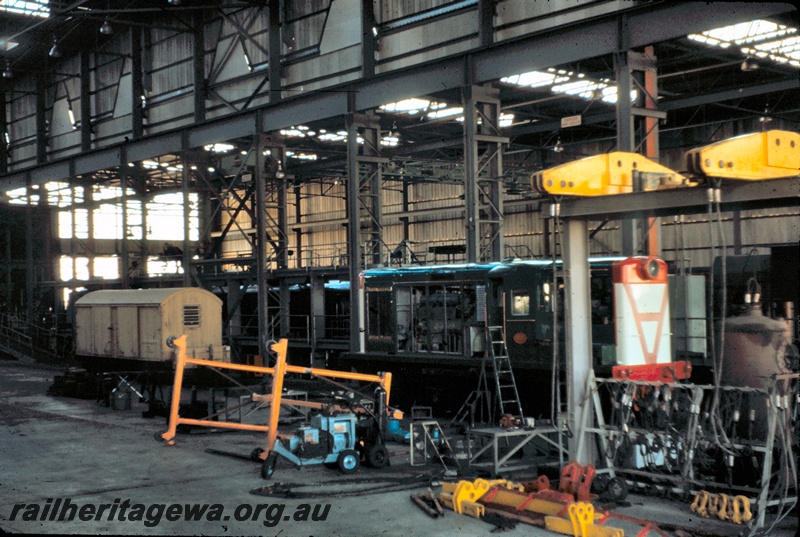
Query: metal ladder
[[505, 384]]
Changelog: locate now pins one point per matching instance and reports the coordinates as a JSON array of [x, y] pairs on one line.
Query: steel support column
[[144, 250], [275, 70], [651, 139], [317, 309], [86, 101], [364, 209], [483, 174], [278, 201], [297, 191], [186, 190], [629, 118], [137, 84], [625, 137], [199, 69], [578, 330], [8, 264], [88, 201], [42, 132], [486, 10], [29, 268], [368, 38], [3, 131], [124, 253], [271, 236], [274, 211], [233, 313], [261, 245], [354, 237]]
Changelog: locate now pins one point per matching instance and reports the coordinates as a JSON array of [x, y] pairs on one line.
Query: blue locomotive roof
[[473, 268], [419, 269]]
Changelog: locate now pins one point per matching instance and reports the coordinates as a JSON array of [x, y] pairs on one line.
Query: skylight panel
[[409, 106], [35, 8], [339, 136], [298, 131], [445, 112], [506, 120], [219, 147], [757, 38], [568, 83]]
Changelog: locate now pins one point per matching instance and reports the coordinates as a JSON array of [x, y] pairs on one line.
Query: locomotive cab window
[[191, 315], [520, 302], [545, 302]]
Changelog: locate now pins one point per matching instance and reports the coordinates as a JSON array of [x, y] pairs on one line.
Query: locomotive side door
[[405, 321]]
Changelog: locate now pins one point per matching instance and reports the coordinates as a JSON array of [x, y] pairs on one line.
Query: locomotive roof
[[469, 267]]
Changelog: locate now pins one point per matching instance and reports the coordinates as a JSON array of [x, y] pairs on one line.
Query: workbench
[[485, 442]]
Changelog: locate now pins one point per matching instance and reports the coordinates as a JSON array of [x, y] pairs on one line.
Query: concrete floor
[[57, 448]]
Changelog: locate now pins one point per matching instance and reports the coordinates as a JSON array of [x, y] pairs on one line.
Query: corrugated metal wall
[[319, 51]]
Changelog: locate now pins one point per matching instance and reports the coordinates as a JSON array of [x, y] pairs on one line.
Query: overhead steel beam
[[667, 105], [734, 196], [644, 24], [728, 95]]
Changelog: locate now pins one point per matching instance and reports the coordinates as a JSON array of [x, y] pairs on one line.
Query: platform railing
[[21, 338]]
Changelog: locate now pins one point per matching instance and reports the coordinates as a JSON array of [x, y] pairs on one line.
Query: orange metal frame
[[274, 399]]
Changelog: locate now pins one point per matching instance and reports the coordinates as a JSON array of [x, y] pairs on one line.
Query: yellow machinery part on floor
[[762, 155], [581, 523]]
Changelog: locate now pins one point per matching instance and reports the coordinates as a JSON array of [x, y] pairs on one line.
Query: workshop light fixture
[[106, 28], [749, 64], [55, 52]]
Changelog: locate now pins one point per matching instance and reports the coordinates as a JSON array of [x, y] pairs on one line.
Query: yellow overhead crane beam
[[763, 155], [610, 173]]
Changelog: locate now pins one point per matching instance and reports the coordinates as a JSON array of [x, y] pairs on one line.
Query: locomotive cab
[[439, 314]]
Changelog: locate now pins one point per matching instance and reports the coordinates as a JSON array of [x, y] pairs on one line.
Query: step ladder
[[469, 409], [505, 384], [428, 442]]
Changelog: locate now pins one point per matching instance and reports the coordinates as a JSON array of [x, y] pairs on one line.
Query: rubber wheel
[[377, 456], [348, 461], [256, 454], [600, 483], [617, 489], [268, 466]]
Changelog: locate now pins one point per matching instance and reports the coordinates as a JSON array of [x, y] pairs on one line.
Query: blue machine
[[324, 440]]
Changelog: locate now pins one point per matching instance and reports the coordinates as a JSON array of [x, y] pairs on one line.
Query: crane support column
[[578, 330]]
